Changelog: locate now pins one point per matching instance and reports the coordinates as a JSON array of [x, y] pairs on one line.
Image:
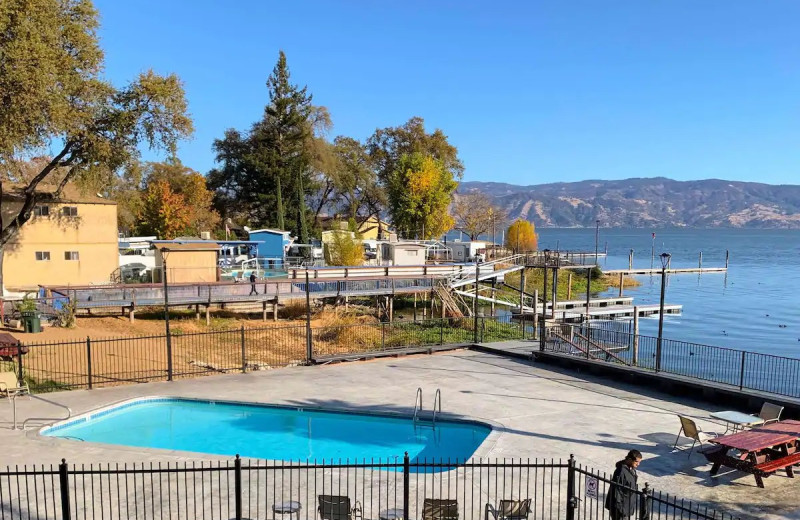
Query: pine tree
[[265, 174]]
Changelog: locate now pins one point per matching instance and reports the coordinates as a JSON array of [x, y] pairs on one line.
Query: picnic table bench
[[760, 451]]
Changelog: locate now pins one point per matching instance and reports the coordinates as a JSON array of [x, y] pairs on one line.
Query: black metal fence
[[390, 490], [742, 369], [95, 362]]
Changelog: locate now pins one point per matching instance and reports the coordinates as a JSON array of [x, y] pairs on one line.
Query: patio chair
[[770, 413], [336, 507], [689, 429], [439, 509], [10, 385], [509, 510]]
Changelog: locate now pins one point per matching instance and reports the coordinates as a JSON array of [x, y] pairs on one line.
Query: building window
[[43, 255], [69, 211], [413, 252], [41, 211], [71, 255]]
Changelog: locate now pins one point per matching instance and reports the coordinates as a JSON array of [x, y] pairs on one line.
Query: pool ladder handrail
[[417, 403], [437, 400], [54, 419]]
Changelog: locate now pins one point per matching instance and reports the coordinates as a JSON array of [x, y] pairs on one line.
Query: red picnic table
[[761, 451]]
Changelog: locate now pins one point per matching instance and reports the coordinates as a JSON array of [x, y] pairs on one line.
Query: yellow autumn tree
[[521, 236], [419, 193], [344, 249]]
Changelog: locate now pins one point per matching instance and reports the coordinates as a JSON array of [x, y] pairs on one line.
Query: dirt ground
[[184, 322]]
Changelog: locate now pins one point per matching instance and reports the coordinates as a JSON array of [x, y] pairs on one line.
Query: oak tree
[[54, 99], [419, 193]]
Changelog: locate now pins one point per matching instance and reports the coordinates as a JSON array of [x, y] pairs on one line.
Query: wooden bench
[[781, 463]]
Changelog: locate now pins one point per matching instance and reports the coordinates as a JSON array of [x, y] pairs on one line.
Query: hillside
[[655, 202]]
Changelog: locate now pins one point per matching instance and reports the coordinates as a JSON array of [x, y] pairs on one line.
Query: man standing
[[253, 283], [621, 500]]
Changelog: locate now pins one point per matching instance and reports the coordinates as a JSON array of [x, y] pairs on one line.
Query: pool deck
[[537, 411]]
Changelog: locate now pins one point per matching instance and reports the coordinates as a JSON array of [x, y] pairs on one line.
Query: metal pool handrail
[[67, 408], [417, 401], [437, 399]]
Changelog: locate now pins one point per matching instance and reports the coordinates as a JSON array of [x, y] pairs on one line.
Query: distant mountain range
[[654, 202]]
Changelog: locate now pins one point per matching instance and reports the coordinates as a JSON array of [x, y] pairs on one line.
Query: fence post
[[383, 335], [441, 331], [237, 482], [309, 346], [406, 491], [741, 372], [64, 484], [635, 336], [572, 501], [89, 360], [541, 333], [244, 353], [21, 376], [644, 502]]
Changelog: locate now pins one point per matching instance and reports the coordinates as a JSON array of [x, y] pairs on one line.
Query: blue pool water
[[269, 432]]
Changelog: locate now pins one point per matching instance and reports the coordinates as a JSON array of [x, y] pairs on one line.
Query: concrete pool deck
[[538, 411]]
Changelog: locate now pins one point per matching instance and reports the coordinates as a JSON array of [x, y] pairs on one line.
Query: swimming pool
[[270, 432]]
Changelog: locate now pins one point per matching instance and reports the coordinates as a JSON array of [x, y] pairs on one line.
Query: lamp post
[[596, 238], [544, 281], [664, 261], [164, 251]]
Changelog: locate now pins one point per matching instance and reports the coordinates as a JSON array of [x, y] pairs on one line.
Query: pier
[[656, 271]]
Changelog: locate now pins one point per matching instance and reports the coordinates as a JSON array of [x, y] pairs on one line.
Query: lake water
[[754, 306]]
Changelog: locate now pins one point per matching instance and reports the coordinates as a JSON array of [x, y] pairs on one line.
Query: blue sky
[[529, 92]]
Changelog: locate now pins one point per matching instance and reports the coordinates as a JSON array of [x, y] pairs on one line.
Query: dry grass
[[612, 280]]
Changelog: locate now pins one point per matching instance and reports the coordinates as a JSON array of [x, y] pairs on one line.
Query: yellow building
[[71, 241], [368, 229], [187, 261]]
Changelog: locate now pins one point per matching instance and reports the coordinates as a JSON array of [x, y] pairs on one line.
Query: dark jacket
[[621, 499], [252, 278]]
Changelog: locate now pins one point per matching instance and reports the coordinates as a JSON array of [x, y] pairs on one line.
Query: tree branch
[[24, 213]]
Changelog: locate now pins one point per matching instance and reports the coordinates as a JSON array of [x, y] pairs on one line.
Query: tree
[[521, 236], [473, 214], [164, 213], [53, 96], [344, 249], [266, 172], [419, 192], [387, 146], [188, 184], [355, 192]]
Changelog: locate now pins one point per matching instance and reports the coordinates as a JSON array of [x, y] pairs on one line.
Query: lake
[[754, 306]]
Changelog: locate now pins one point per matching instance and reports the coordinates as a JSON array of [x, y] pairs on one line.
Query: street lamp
[[664, 262], [164, 251], [596, 238]]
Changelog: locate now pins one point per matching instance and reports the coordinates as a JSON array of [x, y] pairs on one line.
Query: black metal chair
[[439, 509], [336, 507], [509, 510]]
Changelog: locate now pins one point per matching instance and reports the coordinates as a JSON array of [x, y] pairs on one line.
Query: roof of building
[[70, 193], [267, 230], [186, 246], [409, 245]]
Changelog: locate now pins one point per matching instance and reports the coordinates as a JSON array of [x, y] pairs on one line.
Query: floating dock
[[655, 271]]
